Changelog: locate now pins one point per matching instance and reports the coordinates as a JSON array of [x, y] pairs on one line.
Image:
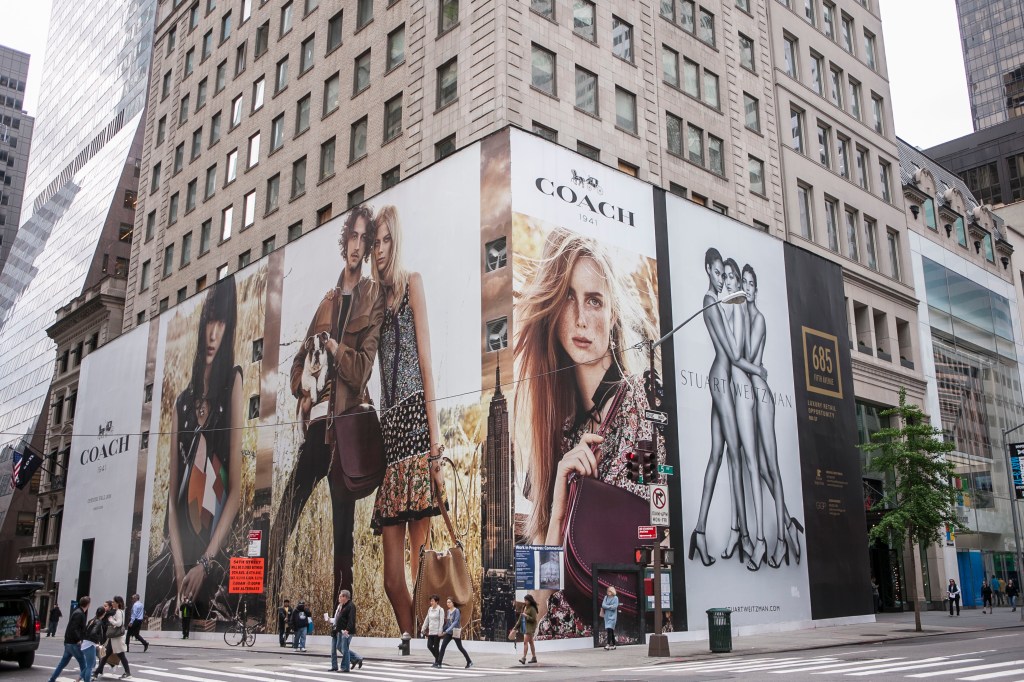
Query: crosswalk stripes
[[973, 668]]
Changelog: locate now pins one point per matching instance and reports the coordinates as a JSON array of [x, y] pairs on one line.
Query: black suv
[[19, 622]]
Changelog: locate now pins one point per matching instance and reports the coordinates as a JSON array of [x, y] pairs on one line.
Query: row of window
[[837, 152], [838, 27], [846, 230], [72, 357], [842, 91], [694, 19], [12, 83]]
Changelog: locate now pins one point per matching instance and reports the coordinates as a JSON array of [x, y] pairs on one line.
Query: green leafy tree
[[921, 502]]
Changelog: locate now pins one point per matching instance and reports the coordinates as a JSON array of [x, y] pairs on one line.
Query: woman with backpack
[[300, 624], [95, 634]]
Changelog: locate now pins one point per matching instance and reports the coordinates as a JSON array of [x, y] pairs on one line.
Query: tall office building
[[992, 38], [15, 142], [265, 119], [77, 217]]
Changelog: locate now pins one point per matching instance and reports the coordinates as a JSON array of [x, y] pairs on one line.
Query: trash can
[[720, 630]]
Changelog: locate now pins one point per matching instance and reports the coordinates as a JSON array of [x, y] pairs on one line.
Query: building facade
[[992, 39], [78, 211], [82, 326], [990, 162], [15, 143]]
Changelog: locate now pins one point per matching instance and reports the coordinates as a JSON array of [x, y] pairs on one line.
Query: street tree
[[920, 503]]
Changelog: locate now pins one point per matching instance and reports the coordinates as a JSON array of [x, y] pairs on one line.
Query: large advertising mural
[[450, 389]]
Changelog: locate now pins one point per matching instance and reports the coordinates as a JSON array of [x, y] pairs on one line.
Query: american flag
[[25, 465]]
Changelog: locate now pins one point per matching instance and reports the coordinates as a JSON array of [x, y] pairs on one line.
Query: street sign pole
[[658, 644]]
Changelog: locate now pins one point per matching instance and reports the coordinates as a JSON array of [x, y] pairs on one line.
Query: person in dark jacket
[[284, 619], [300, 624], [73, 636], [187, 610], [1011, 593], [986, 597], [345, 624], [51, 623]]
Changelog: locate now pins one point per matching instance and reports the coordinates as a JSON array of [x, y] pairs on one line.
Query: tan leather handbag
[[444, 572]]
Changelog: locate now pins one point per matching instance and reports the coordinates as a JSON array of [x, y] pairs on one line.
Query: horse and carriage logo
[[586, 181]]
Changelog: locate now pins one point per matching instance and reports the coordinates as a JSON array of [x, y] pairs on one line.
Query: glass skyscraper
[[79, 205], [992, 38]]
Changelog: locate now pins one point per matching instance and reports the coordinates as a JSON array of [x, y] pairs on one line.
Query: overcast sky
[[926, 69]]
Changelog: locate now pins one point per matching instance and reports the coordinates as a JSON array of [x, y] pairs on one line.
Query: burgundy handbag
[[359, 445], [600, 528]]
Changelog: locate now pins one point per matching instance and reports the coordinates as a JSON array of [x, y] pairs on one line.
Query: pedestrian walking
[[452, 630], [116, 634], [876, 595], [300, 624], [343, 628], [95, 634], [610, 613], [433, 624], [187, 610], [997, 589], [51, 622], [1011, 593], [135, 623], [986, 596], [528, 621], [953, 595], [73, 636], [284, 620]]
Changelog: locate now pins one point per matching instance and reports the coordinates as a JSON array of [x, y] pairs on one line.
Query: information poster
[[539, 567], [246, 575], [1016, 454]]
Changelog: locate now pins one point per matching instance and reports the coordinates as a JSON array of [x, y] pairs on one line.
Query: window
[[258, 89], [214, 129], [222, 272], [161, 130], [268, 246], [254, 150], [695, 144], [832, 223], [825, 145], [828, 19], [687, 15], [179, 158], [669, 66], [983, 182], [225, 27], [706, 30], [803, 200], [835, 86], [869, 49], [622, 39], [310, 5], [755, 168], [150, 225], [364, 13], [961, 234], [444, 147], [334, 32], [876, 107], [396, 47], [155, 180], [357, 140], [870, 231], [226, 222], [197, 143], [356, 196], [716, 155], [211, 182], [711, 89], [743, 5], [281, 79], [200, 286], [207, 47], [144, 276], [929, 214], [262, 39], [249, 210], [276, 133], [327, 159], [586, 150], [361, 79], [183, 110], [855, 99], [691, 75], [843, 155], [244, 259], [586, 91], [299, 177], [447, 83], [751, 113], [172, 209], [286, 19], [746, 52], [625, 110], [236, 111], [884, 173], [191, 192], [789, 53], [549, 134], [273, 193], [294, 231], [846, 32], [232, 167], [545, 8], [862, 168], [186, 250], [393, 117], [894, 254], [817, 64], [390, 178], [204, 239], [306, 54], [240, 59], [221, 79], [543, 69], [584, 19], [193, 17], [796, 127], [852, 248], [168, 261], [190, 66], [172, 40]]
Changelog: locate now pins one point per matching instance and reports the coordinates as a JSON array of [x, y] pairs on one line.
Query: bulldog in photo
[[314, 376]]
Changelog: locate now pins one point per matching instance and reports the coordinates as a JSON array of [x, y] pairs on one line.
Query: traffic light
[[642, 556], [633, 466], [648, 461], [654, 389]]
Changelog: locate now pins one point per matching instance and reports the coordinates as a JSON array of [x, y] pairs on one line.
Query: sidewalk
[[889, 627]]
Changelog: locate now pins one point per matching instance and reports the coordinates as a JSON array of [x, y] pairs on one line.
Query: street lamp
[[658, 646], [1013, 505]]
